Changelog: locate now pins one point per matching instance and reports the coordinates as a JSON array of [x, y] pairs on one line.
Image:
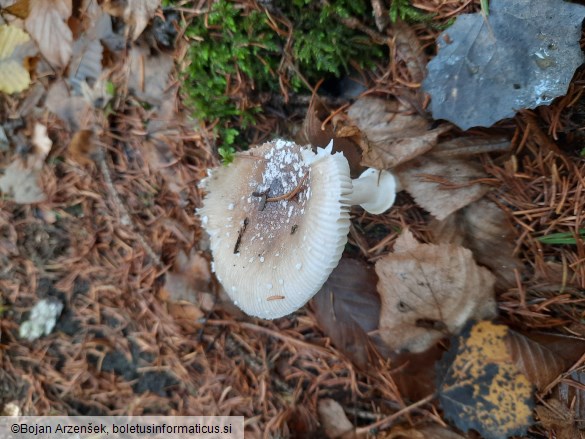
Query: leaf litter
[[118, 188]]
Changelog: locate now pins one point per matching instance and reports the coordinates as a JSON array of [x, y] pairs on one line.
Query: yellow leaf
[[13, 76], [481, 386]]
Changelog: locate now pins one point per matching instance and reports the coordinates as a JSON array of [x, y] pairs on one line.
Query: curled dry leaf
[[483, 228], [135, 13], [21, 177], [334, 419], [443, 185], [429, 291], [392, 133], [47, 24], [347, 307]]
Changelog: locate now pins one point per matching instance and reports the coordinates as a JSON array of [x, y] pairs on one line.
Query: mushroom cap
[[272, 256]]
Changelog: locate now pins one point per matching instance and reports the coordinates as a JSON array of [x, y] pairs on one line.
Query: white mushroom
[[278, 219]]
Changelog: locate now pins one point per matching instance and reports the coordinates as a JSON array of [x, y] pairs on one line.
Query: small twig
[[125, 218], [290, 194], [383, 423]]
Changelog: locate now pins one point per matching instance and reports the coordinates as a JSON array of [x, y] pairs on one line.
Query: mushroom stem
[[374, 190]]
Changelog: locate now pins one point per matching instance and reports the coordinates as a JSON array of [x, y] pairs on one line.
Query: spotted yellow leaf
[[481, 387], [13, 76]]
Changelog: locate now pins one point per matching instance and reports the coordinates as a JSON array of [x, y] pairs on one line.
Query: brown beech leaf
[[312, 134], [135, 13], [540, 364], [347, 307], [47, 24], [546, 358], [481, 387], [414, 373], [483, 228], [443, 185], [429, 291], [393, 133]]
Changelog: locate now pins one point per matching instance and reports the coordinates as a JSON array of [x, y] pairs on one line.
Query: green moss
[[236, 52]]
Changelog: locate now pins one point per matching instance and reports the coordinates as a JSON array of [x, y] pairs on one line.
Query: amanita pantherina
[[278, 219]]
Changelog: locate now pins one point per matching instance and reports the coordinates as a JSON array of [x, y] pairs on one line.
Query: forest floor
[[145, 327]]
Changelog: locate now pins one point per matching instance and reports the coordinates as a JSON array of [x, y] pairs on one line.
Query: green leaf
[[562, 238]]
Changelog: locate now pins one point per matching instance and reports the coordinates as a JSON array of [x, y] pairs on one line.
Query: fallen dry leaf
[[540, 364], [347, 307], [429, 291], [20, 9], [393, 133], [334, 419], [483, 228], [312, 134], [47, 24], [186, 289], [149, 74], [73, 110], [480, 386], [443, 185], [135, 13], [21, 177]]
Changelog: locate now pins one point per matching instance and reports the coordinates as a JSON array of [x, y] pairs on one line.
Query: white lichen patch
[[42, 319]]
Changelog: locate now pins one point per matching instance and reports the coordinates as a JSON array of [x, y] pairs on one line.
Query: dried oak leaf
[[393, 134], [483, 228], [135, 13], [481, 387], [522, 55], [443, 185], [347, 307], [429, 291], [14, 77], [47, 24]]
